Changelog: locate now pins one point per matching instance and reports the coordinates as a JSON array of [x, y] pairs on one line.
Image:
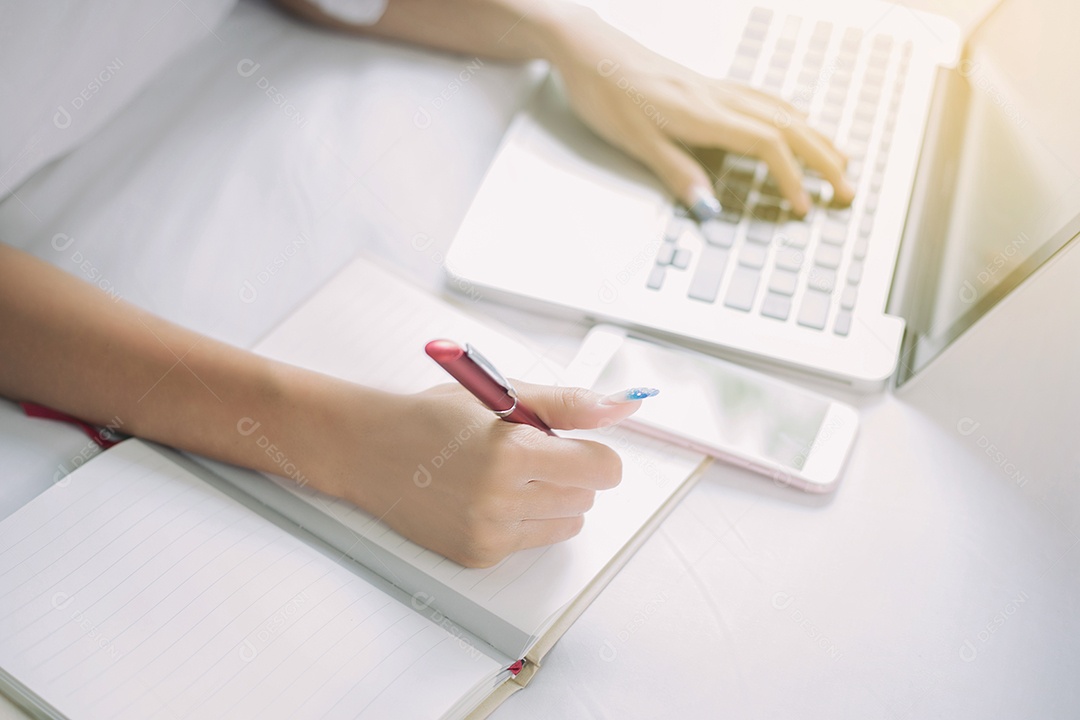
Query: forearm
[[497, 29], [73, 348]]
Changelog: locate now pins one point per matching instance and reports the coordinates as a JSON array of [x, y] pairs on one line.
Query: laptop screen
[[1004, 194]]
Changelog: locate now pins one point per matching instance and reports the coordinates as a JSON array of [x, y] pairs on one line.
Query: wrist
[[553, 29], [325, 433]]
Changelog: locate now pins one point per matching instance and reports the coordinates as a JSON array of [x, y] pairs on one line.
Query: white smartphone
[[792, 435]]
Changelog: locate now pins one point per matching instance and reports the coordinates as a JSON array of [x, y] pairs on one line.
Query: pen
[[477, 375]]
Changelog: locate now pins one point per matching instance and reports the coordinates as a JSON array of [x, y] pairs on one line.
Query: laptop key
[[740, 294], [819, 190], [848, 297], [681, 259], [814, 309], [761, 233], [790, 258], [871, 204], [854, 171], [776, 306], [861, 246], [854, 272], [667, 252], [710, 271], [719, 233], [763, 221], [783, 282], [842, 326], [866, 226], [675, 228], [742, 68], [656, 277], [793, 234], [828, 256], [753, 256], [823, 279], [834, 232]]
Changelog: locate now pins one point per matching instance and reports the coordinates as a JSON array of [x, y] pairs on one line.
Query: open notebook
[[136, 589]]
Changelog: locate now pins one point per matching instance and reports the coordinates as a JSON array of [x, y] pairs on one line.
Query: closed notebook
[[146, 585]]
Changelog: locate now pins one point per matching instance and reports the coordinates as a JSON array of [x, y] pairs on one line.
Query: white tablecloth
[[933, 583]]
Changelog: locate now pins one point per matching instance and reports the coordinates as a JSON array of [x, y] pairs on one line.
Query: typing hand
[[442, 470], [661, 112]]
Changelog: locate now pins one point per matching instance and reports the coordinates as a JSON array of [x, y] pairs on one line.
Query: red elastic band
[[98, 435], [516, 667]]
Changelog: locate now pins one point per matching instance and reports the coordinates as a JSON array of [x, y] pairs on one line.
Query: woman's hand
[[442, 470], [650, 107], [659, 112]]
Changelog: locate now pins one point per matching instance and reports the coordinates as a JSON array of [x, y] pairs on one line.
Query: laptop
[[965, 170]]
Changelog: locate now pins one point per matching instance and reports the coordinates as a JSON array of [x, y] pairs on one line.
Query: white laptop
[[942, 131]]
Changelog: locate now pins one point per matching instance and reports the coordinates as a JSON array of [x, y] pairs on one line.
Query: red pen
[[477, 375]]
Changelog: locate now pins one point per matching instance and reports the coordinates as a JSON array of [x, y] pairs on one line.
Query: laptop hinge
[[915, 279]]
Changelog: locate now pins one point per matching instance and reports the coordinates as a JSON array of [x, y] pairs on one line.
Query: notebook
[[150, 584]]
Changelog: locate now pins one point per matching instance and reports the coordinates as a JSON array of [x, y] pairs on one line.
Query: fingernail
[[627, 396], [705, 205]]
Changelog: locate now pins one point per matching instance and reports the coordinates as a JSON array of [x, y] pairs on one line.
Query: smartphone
[[719, 408]]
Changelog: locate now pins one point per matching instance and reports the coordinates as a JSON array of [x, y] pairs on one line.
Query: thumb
[[683, 175], [565, 408]]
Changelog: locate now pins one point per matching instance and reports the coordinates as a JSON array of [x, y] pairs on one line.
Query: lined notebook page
[[134, 589], [369, 327]]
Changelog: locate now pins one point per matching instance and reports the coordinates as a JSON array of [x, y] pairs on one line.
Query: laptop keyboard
[[754, 257]]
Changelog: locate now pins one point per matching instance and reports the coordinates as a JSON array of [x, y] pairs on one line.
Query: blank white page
[[370, 327], [132, 589]]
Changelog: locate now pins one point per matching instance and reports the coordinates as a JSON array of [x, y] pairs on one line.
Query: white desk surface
[[931, 584]]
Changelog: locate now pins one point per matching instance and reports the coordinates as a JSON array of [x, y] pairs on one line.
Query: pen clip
[[484, 364]]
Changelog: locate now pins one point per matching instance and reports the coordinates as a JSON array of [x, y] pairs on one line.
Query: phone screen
[[718, 403]]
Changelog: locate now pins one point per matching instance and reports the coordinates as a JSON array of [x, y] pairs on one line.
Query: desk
[[935, 582]]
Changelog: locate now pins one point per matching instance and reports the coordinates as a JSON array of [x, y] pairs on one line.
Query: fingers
[[573, 408], [770, 144], [754, 122], [578, 463], [823, 157], [681, 173], [538, 533], [542, 500]]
